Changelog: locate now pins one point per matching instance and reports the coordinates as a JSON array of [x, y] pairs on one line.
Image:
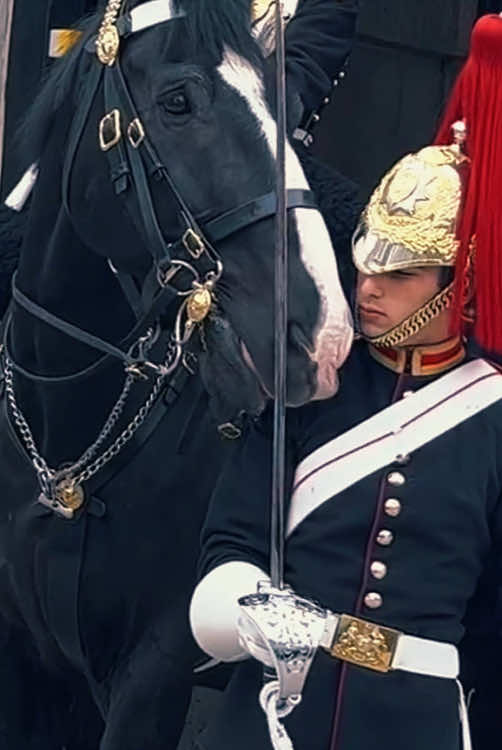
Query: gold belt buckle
[[365, 643]]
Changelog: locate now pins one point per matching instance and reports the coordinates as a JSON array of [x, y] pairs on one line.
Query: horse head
[[170, 174]]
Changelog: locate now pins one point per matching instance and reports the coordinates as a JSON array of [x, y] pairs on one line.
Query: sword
[[281, 317], [278, 627]]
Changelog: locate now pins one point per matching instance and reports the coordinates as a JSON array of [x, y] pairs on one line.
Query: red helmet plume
[[477, 99]]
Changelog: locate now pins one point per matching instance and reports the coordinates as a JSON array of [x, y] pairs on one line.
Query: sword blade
[[281, 317]]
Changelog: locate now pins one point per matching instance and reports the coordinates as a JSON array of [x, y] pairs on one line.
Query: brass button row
[[385, 537]]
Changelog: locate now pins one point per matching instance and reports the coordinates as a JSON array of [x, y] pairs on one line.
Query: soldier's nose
[[368, 287]]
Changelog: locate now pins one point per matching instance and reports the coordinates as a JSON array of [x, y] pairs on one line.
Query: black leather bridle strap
[[131, 292], [249, 213], [117, 97], [79, 122], [122, 353], [120, 172], [144, 163], [68, 328]]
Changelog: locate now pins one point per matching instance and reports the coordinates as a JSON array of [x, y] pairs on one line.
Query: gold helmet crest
[[411, 218], [411, 221]]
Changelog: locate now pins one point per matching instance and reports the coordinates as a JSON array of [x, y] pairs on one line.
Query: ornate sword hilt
[[283, 631]]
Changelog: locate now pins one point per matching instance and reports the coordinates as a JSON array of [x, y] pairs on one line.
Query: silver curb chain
[[61, 488], [78, 473]]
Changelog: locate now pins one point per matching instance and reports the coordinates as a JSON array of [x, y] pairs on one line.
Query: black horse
[[149, 252]]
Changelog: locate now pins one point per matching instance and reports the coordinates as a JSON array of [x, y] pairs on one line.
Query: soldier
[[394, 516]]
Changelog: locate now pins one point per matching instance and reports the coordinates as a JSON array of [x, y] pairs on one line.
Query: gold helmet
[[411, 221]]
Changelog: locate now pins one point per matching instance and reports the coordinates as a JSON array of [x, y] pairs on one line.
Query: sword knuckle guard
[[283, 631]]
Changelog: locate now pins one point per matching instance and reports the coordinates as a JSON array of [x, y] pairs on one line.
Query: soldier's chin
[[371, 331]]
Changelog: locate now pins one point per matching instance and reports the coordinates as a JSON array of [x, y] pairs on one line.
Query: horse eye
[[176, 103]]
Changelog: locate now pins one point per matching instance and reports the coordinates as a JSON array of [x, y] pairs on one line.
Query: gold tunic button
[[396, 479], [393, 507], [378, 570], [385, 537], [373, 600]]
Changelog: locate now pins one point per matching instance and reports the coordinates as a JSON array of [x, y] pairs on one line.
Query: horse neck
[[62, 275]]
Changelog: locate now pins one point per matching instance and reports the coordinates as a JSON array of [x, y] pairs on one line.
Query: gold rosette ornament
[[108, 41]]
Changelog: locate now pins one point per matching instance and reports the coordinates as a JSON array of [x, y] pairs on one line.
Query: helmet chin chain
[[414, 322]]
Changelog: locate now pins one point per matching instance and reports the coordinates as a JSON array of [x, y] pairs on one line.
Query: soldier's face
[[385, 300]]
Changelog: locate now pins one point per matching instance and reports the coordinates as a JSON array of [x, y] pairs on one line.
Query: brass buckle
[[193, 243], [136, 133], [365, 644], [111, 122]]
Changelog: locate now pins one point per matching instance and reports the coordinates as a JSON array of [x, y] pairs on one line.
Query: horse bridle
[[133, 160]]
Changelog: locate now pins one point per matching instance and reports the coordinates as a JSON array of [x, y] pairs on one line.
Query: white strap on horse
[[152, 13], [396, 431]]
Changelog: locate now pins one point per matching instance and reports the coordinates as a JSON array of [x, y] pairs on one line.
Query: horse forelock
[[214, 26]]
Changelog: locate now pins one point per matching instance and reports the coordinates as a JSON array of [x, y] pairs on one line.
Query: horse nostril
[[300, 339]]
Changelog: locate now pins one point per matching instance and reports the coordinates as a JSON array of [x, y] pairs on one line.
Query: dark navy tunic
[[444, 539], [319, 39]]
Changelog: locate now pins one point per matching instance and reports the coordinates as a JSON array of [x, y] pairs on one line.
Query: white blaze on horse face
[[332, 338]]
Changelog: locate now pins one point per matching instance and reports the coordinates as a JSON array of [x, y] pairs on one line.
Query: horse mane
[[216, 24], [58, 87]]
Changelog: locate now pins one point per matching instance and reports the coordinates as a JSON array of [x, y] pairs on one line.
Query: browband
[[146, 15]]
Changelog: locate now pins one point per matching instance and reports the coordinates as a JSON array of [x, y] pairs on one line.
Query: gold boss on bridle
[[108, 41]]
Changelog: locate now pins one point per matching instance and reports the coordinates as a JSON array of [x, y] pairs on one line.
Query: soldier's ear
[[263, 21]]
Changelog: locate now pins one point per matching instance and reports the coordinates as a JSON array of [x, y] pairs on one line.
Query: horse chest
[[93, 587]]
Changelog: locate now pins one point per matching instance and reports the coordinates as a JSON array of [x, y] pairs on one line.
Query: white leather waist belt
[[382, 649]]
